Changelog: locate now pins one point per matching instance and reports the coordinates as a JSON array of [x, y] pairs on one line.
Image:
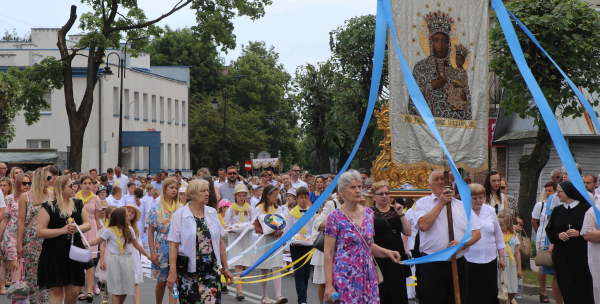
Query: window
[[183, 113], [183, 157], [145, 117], [115, 101], [176, 111], [162, 110], [162, 155], [176, 156], [36, 144], [48, 99], [154, 108], [126, 103], [169, 112], [136, 105], [169, 156]]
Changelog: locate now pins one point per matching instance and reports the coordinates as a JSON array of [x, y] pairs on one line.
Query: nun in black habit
[[570, 249]]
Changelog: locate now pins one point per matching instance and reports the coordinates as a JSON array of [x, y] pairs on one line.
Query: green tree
[[352, 48], [184, 47], [110, 21], [24, 90], [14, 36], [570, 32], [244, 133], [263, 89]]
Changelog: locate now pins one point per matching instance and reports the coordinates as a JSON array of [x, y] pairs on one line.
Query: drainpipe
[[100, 124]]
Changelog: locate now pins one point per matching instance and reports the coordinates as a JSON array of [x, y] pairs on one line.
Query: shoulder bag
[[403, 254], [525, 247], [18, 290], [543, 258], [502, 290], [80, 254], [319, 243], [377, 269]]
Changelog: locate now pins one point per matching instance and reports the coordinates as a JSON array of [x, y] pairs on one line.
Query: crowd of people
[[122, 219]]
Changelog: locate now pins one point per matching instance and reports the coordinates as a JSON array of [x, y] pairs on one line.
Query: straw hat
[[240, 188], [138, 214], [104, 204]]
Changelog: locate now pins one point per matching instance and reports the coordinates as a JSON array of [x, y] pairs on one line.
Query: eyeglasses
[[232, 173], [559, 191], [49, 177], [503, 187], [26, 183], [383, 194], [295, 170]]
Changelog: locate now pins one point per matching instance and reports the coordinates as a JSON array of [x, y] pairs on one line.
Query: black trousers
[[483, 285], [436, 285], [302, 275]]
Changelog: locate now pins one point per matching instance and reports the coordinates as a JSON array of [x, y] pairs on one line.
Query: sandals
[[105, 299], [544, 298], [281, 300], [81, 297], [239, 296], [89, 297], [265, 300]]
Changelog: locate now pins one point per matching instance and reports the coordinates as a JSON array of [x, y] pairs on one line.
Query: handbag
[[525, 247], [18, 290], [377, 269], [502, 290], [403, 254], [319, 242], [80, 254], [543, 257]]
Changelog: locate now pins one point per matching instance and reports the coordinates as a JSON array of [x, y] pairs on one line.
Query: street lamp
[[215, 104], [107, 74], [271, 120]]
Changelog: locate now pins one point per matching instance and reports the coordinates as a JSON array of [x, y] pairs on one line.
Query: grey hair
[[346, 179], [432, 173], [555, 171]]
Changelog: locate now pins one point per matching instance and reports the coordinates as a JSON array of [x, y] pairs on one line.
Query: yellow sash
[[105, 222], [243, 209], [222, 220], [171, 208], [297, 214], [119, 234], [87, 199], [507, 237], [271, 209]]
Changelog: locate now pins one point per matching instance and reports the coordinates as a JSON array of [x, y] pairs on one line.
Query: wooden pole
[[451, 238]]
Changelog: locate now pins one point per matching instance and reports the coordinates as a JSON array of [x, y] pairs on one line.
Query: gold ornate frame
[[385, 169]]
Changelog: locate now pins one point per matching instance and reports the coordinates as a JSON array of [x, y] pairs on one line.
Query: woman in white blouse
[[482, 255]]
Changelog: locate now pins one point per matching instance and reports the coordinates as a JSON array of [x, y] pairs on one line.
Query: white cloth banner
[[446, 45]]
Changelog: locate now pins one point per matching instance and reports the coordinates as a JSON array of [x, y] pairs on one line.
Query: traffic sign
[[248, 166]]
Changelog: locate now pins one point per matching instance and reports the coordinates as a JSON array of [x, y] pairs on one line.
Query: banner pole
[[451, 238]]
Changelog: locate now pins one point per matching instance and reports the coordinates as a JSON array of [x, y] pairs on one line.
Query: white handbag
[[80, 254]]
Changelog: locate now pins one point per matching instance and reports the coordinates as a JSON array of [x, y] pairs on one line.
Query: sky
[[298, 29]]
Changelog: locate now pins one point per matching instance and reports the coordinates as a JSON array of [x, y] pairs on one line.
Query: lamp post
[[215, 104], [252, 161], [271, 119], [107, 73]]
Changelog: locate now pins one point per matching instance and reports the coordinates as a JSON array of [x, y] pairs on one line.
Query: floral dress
[[204, 285], [161, 244], [32, 248], [9, 239], [354, 274]]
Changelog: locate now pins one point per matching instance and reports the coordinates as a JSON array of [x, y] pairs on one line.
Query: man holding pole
[[436, 278]]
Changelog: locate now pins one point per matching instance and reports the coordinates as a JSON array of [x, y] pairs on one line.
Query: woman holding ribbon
[[159, 221], [238, 213], [196, 235], [8, 226], [570, 253], [92, 205], [268, 205], [349, 249], [57, 225]]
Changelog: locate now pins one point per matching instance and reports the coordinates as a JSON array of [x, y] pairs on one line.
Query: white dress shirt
[[114, 202], [254, 201], [297, 184], [436, 238], [123, 181], [486, 249], [291, 221], [410, 217], [218, 183], [2, 202]]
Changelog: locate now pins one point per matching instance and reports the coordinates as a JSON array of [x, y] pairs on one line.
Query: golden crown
[[439, 22], [462, 50]]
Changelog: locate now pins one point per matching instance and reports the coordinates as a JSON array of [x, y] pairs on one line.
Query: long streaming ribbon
[[547, 114], [307, 259]]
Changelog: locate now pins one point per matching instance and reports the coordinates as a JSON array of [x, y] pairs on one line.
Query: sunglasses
[[503, 188], [49, 177], [295, 170], [232, 173], [26, 183]]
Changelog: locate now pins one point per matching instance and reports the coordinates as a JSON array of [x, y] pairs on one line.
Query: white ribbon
[[243, 233], [234, 259]]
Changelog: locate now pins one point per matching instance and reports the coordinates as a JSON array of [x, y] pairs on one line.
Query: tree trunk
[[322, 154], [530, 167], [343, 156], [365, 151]]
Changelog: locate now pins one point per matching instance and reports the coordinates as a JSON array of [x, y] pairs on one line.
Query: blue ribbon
[[384, 11], [547, 114]]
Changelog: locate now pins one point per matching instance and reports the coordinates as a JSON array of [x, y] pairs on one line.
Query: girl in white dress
[[512, 273], [237, 213], [133, 216], [268, 205]]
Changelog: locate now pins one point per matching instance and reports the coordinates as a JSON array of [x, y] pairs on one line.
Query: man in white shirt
[[129, 192], [295, 175], [115, 198], [122, 178], [430, 212], [222, 177], [258, 190]]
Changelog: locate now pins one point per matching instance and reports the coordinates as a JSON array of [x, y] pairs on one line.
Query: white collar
[[188, 213], [572, 205]]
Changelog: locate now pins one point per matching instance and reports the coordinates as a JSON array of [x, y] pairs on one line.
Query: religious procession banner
[[446, 45]]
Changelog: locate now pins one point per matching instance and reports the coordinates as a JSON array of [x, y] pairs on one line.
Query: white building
[[154, 99]]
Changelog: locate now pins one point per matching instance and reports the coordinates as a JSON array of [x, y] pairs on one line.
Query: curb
[[534, 290]]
